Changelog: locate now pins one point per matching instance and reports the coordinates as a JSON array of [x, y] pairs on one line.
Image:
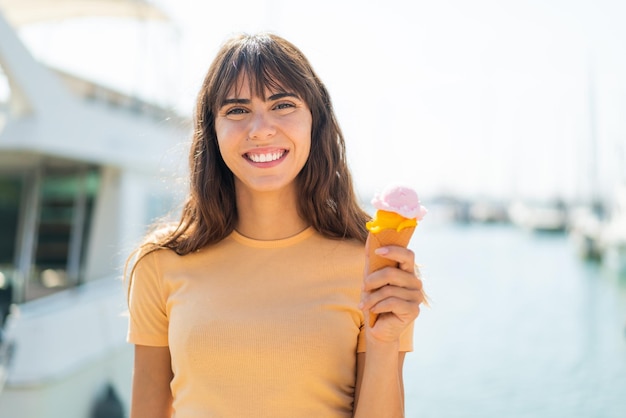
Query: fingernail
[[381, 250]]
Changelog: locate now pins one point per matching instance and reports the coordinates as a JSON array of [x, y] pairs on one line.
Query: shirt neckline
[[278, 243]]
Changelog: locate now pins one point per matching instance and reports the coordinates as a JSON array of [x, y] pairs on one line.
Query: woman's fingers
[[403, 256], [393, 276], [387, 297], [394, 294], [405, 311]]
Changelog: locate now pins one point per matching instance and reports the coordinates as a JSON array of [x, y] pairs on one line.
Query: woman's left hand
[[393, 293]]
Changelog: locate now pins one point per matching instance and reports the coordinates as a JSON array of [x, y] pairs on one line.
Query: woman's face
[[264, 141]]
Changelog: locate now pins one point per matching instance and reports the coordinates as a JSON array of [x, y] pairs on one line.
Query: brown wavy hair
[[326, 198]]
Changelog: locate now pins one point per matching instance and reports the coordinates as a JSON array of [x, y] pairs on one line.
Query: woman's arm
[[385, 398], [152, 374], [394, 294]]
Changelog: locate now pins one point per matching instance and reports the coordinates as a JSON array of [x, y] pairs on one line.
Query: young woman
[[254, 303]]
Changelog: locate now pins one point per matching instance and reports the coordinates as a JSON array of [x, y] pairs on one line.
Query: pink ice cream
[[401, 200]]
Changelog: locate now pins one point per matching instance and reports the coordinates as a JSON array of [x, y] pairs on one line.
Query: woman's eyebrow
[[279, 96], [235, 101]]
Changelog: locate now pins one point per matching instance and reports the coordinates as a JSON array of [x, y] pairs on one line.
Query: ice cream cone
[[398, 211], [382, 239]]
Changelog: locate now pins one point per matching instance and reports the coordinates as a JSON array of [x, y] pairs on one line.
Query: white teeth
[[265, 158]]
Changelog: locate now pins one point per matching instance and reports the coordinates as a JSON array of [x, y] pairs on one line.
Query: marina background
[[519, 327], [444, 93], [507, 117]]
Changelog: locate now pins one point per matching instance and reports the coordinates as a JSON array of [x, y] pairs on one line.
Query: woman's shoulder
[[154, 243]]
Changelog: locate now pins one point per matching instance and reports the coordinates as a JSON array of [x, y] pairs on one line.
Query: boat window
[[66, 198], [45, 219]]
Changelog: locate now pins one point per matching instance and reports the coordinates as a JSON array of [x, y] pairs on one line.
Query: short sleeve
[[148, 322], [406, 339]]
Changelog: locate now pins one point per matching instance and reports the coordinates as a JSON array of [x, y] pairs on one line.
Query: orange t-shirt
[[256, 328]]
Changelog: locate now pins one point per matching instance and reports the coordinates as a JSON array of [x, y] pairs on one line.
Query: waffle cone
[[382, 239]]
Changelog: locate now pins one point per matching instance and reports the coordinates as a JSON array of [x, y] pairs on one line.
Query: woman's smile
[[265, 157]]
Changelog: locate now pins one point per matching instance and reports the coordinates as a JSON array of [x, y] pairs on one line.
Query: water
[[519, 327]]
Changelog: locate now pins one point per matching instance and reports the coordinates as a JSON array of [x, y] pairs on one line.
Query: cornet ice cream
[[399, 211]]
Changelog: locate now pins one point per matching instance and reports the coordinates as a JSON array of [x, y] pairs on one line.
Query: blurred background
[[508, 118]]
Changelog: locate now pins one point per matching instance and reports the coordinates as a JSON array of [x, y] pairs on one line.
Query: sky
[[498, 99]]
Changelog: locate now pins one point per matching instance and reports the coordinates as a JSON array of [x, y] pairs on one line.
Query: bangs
[[267, 67]]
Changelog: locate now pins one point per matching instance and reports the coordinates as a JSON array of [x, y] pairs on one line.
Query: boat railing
[[90, 90]]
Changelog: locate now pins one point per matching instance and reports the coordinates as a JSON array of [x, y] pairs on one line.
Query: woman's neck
[[269, 215]]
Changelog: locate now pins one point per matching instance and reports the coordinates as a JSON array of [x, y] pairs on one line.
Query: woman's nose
[[261, 126]]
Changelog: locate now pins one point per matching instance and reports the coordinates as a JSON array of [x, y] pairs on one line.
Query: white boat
[[586, 226], [614, 255], [81, 175], [539, 217], [614, 236]]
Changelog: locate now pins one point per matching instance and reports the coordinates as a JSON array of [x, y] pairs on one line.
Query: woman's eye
[[285, 105], [235, 111]]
